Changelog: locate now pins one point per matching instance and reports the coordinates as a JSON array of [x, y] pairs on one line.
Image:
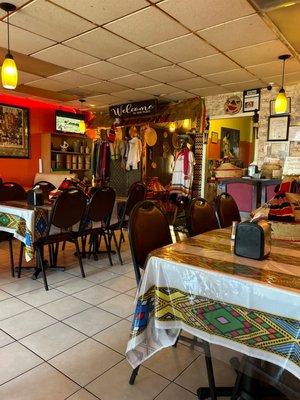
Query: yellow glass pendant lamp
[[281, 102], [9, 71], [82, 126]]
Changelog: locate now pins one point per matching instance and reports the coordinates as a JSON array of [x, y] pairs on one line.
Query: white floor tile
[[5, 339], [53, 340], [26, 323], [121, 283], [4, 295], [82, 394], [116, 337], [91, 321], [99, 276], [96, 294], [12, 307], [113, 384], [14, 360], [40, 383], [65, 307], [175, 392], [21, 286], [41, 296], [73, 285], [86, 361], [121, 305]]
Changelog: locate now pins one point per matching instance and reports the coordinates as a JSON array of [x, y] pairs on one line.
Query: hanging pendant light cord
[[8, 41], [283, 70]]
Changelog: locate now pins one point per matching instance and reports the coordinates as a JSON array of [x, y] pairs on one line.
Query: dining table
[[201, 287]]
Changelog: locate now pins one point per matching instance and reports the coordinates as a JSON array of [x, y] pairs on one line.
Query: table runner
[[200, 286]]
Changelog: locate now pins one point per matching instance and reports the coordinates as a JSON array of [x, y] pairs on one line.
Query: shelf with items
[[67, 152]]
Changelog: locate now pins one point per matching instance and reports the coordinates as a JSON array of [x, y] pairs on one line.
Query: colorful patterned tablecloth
[[200, 286], [25, 222]]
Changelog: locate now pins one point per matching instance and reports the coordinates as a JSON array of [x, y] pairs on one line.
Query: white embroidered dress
[[134, 153], [181, 182]]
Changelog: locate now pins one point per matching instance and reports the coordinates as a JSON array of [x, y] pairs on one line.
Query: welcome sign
[[135, 109]]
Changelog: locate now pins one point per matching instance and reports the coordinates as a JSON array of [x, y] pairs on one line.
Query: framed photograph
[[230, 143], [278, 129], [272, 107], [251, 100], [14, 131], [214, 137]]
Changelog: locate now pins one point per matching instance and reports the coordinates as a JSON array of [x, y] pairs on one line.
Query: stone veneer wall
[[215, 107]]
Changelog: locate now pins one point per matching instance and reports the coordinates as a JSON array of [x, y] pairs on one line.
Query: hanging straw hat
[[150, 136]]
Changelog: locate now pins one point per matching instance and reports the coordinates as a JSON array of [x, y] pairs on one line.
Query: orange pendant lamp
[[281, 102], [9, 72]]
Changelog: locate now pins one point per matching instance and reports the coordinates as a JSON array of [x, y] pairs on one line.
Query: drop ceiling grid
[[163, 9]]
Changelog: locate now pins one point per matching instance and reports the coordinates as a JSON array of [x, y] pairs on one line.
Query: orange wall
[[41, 120]]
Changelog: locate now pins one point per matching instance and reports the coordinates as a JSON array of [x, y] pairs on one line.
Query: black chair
[[46, 188], [99, 212], [8, 237], [137, 193], [148, 229], [227, 210], [201, 217], [68, 210], [12, 191]]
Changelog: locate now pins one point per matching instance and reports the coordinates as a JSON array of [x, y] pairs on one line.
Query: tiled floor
[[69, 342]]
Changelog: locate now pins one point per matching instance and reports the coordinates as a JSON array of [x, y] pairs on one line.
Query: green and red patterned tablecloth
[[200, 286], [25, 222]]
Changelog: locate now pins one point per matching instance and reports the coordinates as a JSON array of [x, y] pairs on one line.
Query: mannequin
[[183, 172], [134, 152]]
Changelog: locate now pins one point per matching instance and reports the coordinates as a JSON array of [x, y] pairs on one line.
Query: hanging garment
[[101, 160], [117, 149], [183, 173], [134, 153]]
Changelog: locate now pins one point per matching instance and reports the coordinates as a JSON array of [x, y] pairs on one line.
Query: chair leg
[[117, 247], [20, 260], [63, 246], [83, 243], [133, 375], [107, 244], [79, 257], [42, 266], [210, 371], [11, 254]]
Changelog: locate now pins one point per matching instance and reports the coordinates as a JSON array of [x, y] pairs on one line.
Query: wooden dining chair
[[12, 191], [46, 188], [201, 217], [68, 211], [8, 237], [227, 210], [136, 194]]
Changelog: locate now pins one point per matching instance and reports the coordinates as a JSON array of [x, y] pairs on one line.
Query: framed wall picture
[[230, 143], [278, 129], [251, 100], [214, 137], [14, 131], [272, 107]]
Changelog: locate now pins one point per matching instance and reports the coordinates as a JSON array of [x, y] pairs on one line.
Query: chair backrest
[[12, 191], [201, 217], [68, 209], [46, 187], [137, 193], [148, 229], [227, 210], [101, 205]]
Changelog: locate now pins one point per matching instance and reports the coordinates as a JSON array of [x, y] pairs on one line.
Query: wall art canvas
[[14, 131], [230, 143]]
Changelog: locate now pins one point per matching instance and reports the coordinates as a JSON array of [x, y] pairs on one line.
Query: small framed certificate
[[278, 127]]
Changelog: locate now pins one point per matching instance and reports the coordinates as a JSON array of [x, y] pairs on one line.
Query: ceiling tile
[[104, 70], [243, 32], [160, 90], [140, 60], [25, 77], [22, 41], [132, 95], [200, 14], [134, 81], [80, 93], [192, 83], [183, 48], [169, 74], [74, 78], [49, 84], [44, 18], [65, 56], [274, 68], [179, 96], [146, 27], [235, 75], [103, 87], [102, 11], [101, 43], [210, 64], [210, 91], [259, 53], [238, 87], [292, 78], [104, 99]]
